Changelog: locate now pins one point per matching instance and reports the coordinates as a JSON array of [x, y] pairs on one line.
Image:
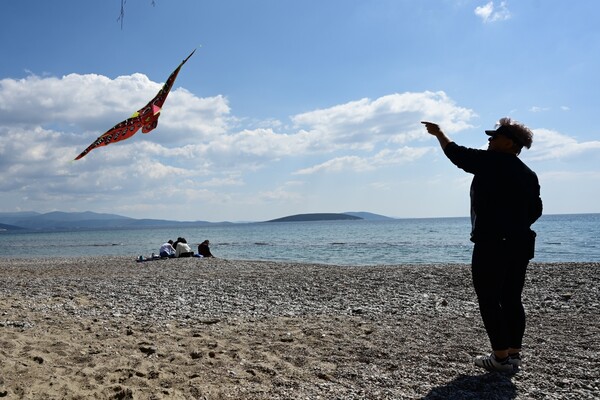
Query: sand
[[112, 328]]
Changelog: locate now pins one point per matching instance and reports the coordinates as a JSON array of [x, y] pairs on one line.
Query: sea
[[560, 238]]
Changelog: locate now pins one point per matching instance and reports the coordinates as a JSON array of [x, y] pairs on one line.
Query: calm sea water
[[430, 240]]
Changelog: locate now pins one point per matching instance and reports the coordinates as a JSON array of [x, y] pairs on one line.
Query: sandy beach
[[113, 328]]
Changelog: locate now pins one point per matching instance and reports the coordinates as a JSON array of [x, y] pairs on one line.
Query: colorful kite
[[145, 118]]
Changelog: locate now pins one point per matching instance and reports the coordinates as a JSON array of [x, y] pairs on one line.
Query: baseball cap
[[512, 132]]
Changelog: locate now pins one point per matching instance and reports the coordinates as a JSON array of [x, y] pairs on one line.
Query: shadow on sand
[[490, 386]]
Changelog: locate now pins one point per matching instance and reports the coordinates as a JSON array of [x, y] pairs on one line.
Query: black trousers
[[498, 269]]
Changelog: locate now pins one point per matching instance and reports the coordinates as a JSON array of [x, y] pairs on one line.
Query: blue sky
[[291, 106]]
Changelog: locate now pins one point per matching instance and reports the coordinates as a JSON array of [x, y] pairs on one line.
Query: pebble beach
[[114, 328]]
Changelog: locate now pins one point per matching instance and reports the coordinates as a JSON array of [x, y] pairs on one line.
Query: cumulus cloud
[[201, 154], [93, 103], [538, 109], [200, 151], [490, 13], [361, 164], [392, 118], [549, 145], [566, 177], [280, 194]]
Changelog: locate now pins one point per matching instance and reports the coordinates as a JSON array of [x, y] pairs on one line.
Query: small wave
[[352, 244], [85, 244]]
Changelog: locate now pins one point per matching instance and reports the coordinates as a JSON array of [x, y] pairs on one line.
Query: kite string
[[122, 13]]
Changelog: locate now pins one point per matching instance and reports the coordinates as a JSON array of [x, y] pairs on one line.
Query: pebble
[[164, 294]]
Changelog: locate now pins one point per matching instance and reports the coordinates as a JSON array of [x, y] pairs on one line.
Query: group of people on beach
[[181, 248]]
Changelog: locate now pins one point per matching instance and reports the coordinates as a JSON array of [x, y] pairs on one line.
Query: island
[[316, 217]]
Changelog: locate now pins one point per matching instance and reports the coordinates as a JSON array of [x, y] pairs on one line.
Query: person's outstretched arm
[[434, 129]]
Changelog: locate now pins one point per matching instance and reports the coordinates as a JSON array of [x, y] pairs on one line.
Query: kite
[[145, 118]]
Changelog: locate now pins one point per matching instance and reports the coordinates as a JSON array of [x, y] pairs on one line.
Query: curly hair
[[521, 133]]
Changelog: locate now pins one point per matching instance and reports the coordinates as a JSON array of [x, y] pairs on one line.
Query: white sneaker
[[515, 359], [492, 364]]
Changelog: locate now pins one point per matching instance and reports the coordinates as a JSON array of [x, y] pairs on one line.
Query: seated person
[[167, 250], [183, 249], [177, 242], [204, 250]]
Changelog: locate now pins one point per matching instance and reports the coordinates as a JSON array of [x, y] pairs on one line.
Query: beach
[[114, 328]]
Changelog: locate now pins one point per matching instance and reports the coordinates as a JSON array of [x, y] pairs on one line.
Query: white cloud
[[201, 158], [94, 103], [537, 109], [223, 181], [259, 143], [280, 194], [339, 164], [490, 13], [569, 176], [362, 164], [550, 145], [393, 118], [68, 113]]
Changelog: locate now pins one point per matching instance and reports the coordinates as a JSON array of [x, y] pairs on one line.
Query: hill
[[63, 221], [9, 228], [73, 221], [316, 217], [11, 217], [369, 216]]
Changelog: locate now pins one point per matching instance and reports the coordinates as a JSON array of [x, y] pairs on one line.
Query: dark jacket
[[505, 193], [204, 250]]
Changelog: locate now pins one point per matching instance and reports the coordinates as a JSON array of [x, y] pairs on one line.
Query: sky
[[291, 107]]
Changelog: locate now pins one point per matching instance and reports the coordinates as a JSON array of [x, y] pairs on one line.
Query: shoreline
[[109, 327]]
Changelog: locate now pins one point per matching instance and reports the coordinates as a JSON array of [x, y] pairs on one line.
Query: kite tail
[[145, 118]]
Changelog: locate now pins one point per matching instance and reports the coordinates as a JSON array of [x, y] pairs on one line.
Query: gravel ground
[[110, 327]]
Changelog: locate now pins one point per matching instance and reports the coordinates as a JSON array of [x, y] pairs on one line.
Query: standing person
[[204, 250], [505, 202]]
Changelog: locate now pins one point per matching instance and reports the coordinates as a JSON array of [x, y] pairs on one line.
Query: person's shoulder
[[523, 164], [529, 171]]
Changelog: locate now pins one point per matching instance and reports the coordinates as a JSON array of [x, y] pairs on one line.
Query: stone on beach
[[108, 327]]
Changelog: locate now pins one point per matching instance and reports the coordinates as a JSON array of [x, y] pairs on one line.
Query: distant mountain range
[[64, 221]]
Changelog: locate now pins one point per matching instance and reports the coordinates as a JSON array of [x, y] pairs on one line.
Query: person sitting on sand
[[167, 250], [183, 249], [204, 250], [177, 242]]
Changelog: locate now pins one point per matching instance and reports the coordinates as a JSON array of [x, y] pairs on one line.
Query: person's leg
[[488, 269], [511, 302]]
